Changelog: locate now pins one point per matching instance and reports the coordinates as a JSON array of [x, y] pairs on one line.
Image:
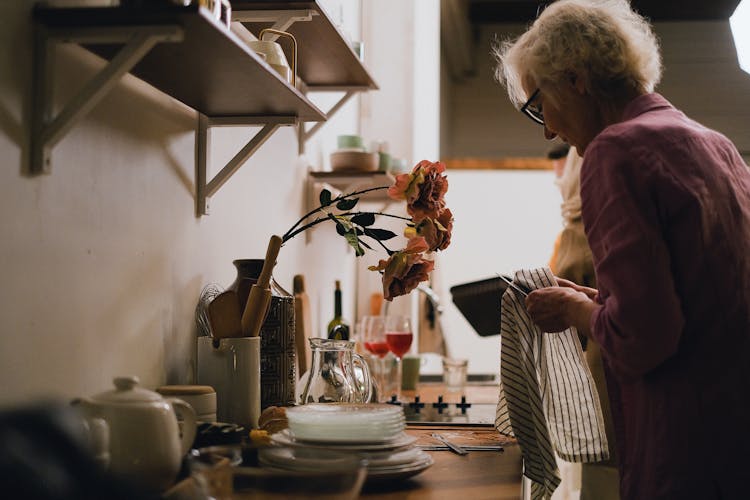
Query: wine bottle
[[338, 328]]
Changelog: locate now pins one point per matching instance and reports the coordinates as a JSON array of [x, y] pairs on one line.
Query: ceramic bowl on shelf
[[356, 161], [350, 142]]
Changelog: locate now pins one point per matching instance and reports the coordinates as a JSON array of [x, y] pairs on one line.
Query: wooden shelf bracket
[[281, 19], [305, 135], [46, 129], [206, 188]]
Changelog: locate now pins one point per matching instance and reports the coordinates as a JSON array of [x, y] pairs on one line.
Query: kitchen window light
[[739, 22]]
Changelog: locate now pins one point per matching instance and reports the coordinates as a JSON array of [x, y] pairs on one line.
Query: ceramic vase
[[277, 347]]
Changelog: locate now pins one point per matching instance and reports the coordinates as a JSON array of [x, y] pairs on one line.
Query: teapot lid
[[126, 392]]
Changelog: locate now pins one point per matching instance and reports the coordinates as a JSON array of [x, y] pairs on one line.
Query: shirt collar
[[643, 104]]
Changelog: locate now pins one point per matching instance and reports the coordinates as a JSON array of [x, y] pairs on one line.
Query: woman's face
[[570, 116]]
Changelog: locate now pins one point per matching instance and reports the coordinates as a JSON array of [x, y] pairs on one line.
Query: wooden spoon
[[224, 316], [260, 293]]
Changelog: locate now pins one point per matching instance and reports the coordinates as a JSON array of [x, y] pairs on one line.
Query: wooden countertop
[[477, 475]]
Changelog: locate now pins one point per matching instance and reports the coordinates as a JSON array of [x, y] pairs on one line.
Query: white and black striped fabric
[[548, 400]]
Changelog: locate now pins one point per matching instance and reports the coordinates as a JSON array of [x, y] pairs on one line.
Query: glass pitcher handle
[[359, 360]]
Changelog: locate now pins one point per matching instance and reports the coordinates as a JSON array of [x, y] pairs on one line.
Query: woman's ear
[[577, 82]]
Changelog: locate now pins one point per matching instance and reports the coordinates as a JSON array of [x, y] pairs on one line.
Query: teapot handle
[[359, 360], [186, 412]]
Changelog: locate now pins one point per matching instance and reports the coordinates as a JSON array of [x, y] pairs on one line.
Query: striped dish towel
[[548, 400]]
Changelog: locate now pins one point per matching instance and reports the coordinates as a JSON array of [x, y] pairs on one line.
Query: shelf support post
[[206, 188], [48, 130]]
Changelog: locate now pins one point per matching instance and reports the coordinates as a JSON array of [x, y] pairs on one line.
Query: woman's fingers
[[590, 292], [546, 306]]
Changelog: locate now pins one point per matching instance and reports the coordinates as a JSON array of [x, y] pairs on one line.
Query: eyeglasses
[[533, 111]]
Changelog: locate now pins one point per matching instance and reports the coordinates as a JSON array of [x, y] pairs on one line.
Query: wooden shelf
[[325, 59], [185, 52], [211, 70], [350, 181]]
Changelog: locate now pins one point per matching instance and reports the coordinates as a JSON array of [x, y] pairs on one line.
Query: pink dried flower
[[405, 269], [429, 226], [423, 189], [437, 232]]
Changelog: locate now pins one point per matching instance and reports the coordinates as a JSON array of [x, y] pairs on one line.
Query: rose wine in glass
[[399, 342], [398, 336], [373, 338], [379, 349]]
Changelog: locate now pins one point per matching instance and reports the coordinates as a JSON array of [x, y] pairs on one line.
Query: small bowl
[[358, 161], [350, 142], [278, 472]]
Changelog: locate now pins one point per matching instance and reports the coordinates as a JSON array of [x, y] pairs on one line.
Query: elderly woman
[[666, 210]]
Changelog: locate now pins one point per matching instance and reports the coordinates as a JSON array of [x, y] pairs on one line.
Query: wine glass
[[373, 339], [373, 335], [398, 337]]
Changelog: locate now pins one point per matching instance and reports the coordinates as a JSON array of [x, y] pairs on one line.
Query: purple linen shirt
[[666, 207]]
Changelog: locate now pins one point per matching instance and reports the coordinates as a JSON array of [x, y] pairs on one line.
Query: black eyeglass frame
[[535, 114]]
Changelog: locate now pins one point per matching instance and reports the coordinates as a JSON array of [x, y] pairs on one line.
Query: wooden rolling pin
[[302, 324], [260, 293]]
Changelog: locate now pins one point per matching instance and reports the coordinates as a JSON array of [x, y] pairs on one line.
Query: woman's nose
[[548, 134]]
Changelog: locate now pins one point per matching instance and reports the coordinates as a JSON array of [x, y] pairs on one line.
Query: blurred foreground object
[[44, 456]]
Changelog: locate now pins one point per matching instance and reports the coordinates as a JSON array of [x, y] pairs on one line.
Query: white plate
[[345, 413], [401, 441], [308, 459], [397, 473], [396, 458], [420, 458], [298, 428], [338, 436], [346, 434]]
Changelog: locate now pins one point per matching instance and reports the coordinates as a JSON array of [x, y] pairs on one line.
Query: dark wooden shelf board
[[211, 70], [324, 57]]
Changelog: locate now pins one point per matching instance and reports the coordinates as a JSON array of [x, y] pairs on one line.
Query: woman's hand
[[556, 308], [590, 292]]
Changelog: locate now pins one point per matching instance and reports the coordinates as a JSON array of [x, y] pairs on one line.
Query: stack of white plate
[[374, 431], [346, 423]]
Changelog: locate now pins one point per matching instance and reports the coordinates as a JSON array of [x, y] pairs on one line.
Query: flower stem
[[291, 232], [349, 214]]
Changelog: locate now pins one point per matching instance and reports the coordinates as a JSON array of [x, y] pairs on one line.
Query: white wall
[[402, 41], [103, 260], [505, 220]]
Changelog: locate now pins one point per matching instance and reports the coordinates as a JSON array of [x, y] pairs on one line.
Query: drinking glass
[[398, 336], [372, 333]]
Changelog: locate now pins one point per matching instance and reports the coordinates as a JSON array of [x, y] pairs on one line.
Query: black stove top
[[441, 413]]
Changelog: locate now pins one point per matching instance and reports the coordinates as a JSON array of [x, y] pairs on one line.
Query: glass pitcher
[[332, 377]]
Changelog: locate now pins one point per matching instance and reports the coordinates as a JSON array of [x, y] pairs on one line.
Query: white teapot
[[145, 446]]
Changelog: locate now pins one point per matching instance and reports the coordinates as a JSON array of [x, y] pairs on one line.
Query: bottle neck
[[337, 303]]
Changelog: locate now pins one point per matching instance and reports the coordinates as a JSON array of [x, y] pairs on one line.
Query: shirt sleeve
[[640, 321]]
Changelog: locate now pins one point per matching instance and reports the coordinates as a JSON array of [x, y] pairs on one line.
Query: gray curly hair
[[602, 41]]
